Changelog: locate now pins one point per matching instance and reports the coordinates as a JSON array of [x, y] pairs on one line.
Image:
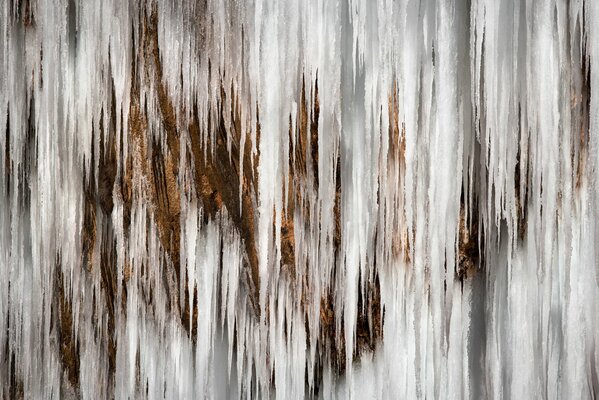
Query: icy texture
[[446, 123]]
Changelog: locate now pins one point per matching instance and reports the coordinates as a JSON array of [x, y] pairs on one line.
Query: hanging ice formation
[[290, 199]]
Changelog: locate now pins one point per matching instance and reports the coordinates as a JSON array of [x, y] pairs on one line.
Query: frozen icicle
[[317, 199]]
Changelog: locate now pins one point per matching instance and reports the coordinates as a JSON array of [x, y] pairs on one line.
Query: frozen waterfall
[[336, 199]]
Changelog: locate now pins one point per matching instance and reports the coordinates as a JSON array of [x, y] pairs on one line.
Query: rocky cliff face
[[298, 199]]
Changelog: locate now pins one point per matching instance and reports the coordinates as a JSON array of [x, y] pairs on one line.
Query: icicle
[[261, 198]]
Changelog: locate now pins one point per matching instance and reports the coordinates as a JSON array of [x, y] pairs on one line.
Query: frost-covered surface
[[447, 119]]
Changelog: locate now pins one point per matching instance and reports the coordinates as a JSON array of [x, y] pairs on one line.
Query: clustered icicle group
[[298, 199]]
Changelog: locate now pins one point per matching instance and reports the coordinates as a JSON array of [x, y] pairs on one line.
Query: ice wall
[[289, 199]]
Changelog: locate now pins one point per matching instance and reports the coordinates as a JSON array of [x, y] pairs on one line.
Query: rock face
[[245, 199]]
